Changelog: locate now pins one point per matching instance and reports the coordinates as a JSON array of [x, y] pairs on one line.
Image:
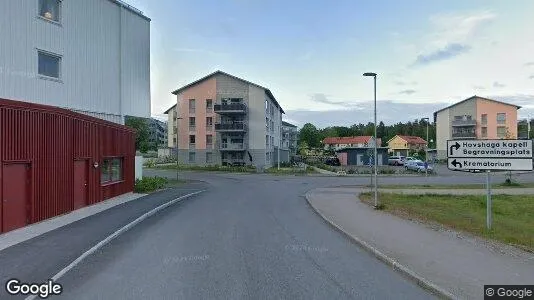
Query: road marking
[[122, 230]]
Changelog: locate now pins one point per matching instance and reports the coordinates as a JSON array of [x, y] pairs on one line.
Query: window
[[111, 170], [209, 122], [266, 106], [484, 119], [192, 139], [267, 142], [272, 126], [174, 141], [458, 118], [501, 118], [484, 132], [191, 105], [209, 105], [192, 123], [49, 9], [209, 157], [209, 141], [501, 132], [192, 157], [49, 64]]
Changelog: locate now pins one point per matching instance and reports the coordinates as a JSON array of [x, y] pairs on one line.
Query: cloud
[[402, 83], [531, 77], [390, 112], [408, 92], [321, 98], [517, 99], [497, 84], [529, 64], [458, 28], [448, 52], [479, 87], [196, 50], [305, 56]]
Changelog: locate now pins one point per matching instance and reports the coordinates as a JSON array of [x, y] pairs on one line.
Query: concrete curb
[[421, 281], [117, 233]]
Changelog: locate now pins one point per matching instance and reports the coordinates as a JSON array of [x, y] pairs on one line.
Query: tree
[[309, 134], [140, 126]]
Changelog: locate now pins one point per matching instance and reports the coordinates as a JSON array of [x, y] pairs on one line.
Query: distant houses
[[405, 144]]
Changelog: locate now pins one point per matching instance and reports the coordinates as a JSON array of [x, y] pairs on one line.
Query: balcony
[[232, 146], [228, 109], [230, 127], [192, 146], [464, 135], [464, 123]]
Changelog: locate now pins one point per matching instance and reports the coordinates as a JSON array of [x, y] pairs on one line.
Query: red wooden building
[[53, 161]]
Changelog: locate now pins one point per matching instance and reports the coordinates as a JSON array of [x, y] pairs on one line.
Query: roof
[[348, 140], [360, 148], [284, 123], [168, 110], [410, 139], [267, 91], [472, 98], [131, 8]]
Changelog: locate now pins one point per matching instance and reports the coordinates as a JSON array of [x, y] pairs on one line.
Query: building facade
[[355, 156], [290, 137], [338, 143], [404, 144], [157, 133], [475, 118], [91, 57], [226, 120], [172, 133], [54, 161]]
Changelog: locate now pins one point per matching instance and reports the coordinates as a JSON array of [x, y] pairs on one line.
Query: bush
[[386, 171], [149, 184]]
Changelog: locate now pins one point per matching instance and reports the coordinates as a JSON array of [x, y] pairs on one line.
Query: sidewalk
[[455, 266], [499, 191]]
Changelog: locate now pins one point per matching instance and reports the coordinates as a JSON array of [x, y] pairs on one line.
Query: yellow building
[[403, 144]]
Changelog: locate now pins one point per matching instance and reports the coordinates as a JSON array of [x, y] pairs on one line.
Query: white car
[[419, 166]]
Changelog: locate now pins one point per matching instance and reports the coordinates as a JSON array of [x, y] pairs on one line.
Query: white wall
[[443, 132], [88, 39]]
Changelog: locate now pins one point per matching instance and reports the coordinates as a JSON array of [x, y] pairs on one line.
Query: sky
[[312, 54]]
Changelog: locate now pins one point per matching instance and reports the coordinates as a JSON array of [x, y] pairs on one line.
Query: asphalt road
[[247, 237]]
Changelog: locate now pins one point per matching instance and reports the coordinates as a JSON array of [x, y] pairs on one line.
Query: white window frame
[[60, 65], [59, 13]]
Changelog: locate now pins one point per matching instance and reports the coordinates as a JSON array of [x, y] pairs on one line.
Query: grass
[[291, 171], [246, 169], [513, 216], [459, 186], [156, 183]]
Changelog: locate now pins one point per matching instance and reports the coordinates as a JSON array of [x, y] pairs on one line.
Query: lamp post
[[375, 143], [177, 136], [426, 149]]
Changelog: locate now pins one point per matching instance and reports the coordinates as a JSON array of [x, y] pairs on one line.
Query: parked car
[[396, 160], [418, 166], [332, 161], [410, 158]]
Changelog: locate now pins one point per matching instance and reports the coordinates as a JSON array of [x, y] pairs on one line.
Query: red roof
[[413, 139], [348, 140]]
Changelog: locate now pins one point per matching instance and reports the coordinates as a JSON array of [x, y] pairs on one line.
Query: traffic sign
[[490, 148], [497, 155], [497, 164]]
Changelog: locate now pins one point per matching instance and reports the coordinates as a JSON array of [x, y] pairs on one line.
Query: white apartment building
[[90, 56]]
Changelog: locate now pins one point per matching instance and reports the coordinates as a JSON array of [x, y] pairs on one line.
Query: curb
[[418, 279], [114, 235]]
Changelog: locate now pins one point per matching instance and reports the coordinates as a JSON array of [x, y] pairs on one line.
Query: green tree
[[140, 126], [309, 134]]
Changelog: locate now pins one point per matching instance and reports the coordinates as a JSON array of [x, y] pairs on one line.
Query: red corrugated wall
[[51, 139]]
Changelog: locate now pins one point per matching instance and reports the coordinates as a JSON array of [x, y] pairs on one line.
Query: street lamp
[[426, 149], [177, 136], [375, 150]]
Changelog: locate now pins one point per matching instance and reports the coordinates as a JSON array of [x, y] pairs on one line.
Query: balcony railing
[[233, 161], [192, 127], [230, 127], [230, 108], [464, 135], [192, 146], [232, 146], [209, 146], [464, 123]]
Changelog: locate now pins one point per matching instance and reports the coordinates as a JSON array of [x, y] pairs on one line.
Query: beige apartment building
[[475, 118], [221, 119]]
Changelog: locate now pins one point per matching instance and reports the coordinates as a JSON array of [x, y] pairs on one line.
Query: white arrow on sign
[[489, 148], [510, 164]]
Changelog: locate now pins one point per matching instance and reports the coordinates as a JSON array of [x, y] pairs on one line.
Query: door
[[16, 185], [379, 161], [80, 184]]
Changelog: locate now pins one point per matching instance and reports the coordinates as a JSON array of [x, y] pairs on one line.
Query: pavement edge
[[418, 279], [114, 235]]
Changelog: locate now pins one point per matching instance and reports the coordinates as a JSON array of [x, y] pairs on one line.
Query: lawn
[[513, 216], [459, 186]]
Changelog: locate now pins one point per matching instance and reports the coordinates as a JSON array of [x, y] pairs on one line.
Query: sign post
[[489, 155]]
